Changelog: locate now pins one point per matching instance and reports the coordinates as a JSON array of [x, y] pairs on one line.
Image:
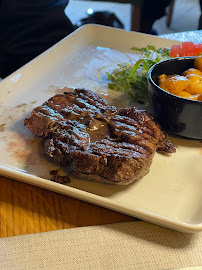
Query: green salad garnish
[[131, 78]]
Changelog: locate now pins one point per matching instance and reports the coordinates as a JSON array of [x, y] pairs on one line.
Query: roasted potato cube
[[194, 97], [198, 63], [200, 97], [176, 84], [192, 71], [195, 85], [162, 78], [184, 94], [162, 86]]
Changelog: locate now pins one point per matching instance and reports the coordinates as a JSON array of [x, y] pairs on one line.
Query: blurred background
[[185, 14], [28, 28]]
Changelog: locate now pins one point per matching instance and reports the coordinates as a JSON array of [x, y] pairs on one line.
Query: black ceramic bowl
[[175, 114]]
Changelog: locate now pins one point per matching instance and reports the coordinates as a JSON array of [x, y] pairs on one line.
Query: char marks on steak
[[99, 142]]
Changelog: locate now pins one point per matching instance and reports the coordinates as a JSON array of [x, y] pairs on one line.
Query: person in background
[[28, 28], [152, 11]]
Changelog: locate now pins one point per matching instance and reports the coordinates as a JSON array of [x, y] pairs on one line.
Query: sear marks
[[97, 141]]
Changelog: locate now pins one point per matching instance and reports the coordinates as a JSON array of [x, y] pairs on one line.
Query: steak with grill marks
[[99, 142]]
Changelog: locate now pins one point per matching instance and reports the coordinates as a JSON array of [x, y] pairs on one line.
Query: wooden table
[[27, 209]]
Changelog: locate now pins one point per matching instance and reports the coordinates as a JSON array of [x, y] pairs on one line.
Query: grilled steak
[[99, 142]]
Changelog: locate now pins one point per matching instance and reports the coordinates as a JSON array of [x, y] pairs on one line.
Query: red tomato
[[197, 49], [188, 48], [182, 54], [175, 50]]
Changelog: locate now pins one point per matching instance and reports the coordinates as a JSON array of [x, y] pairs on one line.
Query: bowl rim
[[169, 60]]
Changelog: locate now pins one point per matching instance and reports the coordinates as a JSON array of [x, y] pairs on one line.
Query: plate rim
[[81, 194]]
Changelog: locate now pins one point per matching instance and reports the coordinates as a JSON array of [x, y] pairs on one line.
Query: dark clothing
[[28, 28], [152, 11], [200, 18]]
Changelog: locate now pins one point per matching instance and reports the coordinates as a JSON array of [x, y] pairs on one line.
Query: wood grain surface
[[28, 209]]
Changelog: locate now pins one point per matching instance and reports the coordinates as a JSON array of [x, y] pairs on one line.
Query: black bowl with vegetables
[[176, 114]]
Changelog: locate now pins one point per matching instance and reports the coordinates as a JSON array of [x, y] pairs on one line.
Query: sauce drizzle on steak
[[99, 142]]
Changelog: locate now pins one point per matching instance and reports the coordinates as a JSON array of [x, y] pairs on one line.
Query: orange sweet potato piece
[[162, 78], [200, 97], [176, 84], [198, 63], [195, 85], [184, 94], [162, 86], [192, 71]]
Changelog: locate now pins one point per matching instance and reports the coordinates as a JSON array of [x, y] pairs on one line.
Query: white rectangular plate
[[170, 195]]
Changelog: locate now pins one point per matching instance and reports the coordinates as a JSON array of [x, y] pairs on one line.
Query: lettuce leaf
[[131, 78]]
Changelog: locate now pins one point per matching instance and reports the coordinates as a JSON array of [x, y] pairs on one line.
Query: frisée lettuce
[[131, 78]]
